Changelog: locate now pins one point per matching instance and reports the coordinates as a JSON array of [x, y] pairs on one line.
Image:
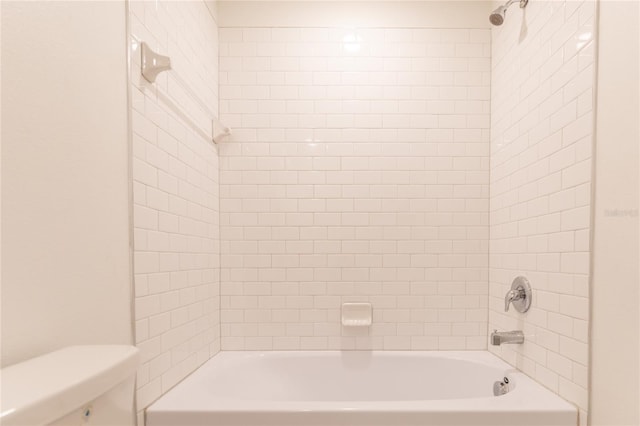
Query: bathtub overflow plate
[[501, 387]]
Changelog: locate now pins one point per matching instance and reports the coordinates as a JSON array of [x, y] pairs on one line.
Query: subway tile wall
[[175, 195], [541, 148], [358, 171]]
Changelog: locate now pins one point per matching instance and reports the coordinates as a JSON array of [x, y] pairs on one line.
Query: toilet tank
[[78, 385]]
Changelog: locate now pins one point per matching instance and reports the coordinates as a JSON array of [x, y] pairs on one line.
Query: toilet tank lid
[[43, 389]]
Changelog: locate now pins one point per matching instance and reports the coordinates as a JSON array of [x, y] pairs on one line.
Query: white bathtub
[[357, 389]]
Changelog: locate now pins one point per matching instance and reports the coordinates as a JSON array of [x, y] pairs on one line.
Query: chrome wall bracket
[[153, 63], [520, 295]]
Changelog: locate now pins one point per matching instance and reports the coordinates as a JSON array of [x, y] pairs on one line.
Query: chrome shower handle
[[519, 295], [513, 295]]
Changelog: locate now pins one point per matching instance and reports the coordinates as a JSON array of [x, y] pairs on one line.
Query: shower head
[[497, 16]]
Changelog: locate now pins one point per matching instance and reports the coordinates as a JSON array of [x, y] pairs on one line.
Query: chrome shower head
[[497, 16]]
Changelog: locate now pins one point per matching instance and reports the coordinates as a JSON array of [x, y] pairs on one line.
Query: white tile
[[179, 201], [375, 166], [558, 88]]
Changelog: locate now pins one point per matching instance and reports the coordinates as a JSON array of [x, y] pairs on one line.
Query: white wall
[[357, 171], [355, 14], [175, 197], [65, 217], [541, 143], [616, 278]]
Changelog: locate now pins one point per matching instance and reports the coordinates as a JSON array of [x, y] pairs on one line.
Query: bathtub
[[357, 389]]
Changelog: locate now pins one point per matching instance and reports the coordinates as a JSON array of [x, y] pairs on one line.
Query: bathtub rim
[[525, 396]]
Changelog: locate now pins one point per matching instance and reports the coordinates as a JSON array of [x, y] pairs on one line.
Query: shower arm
[[523, 3]]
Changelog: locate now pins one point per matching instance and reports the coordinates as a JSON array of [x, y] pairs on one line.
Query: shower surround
[[542, 95], [357, 171], [175, 196], [420, 169]]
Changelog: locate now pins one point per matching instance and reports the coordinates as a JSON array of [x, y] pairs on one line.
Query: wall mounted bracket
[[153, 63]]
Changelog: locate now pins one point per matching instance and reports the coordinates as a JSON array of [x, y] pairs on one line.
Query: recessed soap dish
[[356, 314]]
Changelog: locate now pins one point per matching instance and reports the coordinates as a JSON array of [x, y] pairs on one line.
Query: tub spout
[[503, 337]]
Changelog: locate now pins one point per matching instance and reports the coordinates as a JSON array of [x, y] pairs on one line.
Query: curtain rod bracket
[[153, 63]]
